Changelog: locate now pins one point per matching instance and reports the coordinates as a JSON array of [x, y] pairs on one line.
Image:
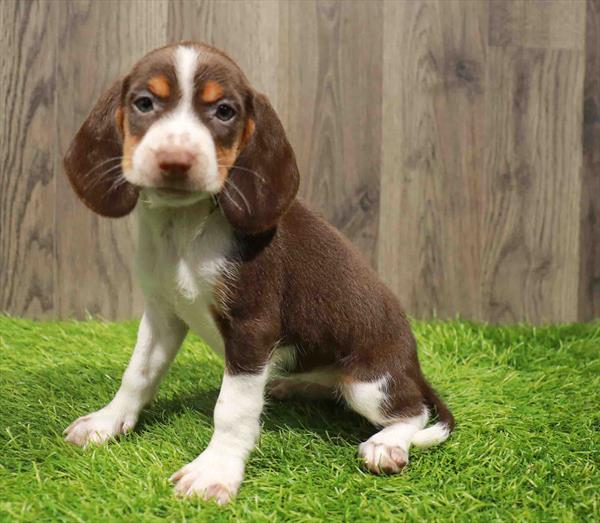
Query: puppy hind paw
[[380, 458]]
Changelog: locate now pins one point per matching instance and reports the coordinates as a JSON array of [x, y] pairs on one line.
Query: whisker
[[242, 196], [101, 177], [110, 190], [244, 169], [104, 162], [107, 160], [232, 200], [118, 182], [111, 170], [121, 180]]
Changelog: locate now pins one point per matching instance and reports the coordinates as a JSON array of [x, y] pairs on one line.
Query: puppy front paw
[[210, 476], [98, 427]]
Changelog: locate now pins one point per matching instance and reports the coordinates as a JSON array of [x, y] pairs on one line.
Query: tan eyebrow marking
[[119, 118], [211, 92], [248, 131], [159, 86], [226, 157]]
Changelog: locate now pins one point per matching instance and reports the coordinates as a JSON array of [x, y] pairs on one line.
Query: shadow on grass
[[321, 418], [87, 389]]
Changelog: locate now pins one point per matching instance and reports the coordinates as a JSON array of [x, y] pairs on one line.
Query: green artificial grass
[[525, 449]]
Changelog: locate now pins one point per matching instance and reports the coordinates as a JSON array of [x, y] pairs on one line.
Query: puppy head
[[182, 126]]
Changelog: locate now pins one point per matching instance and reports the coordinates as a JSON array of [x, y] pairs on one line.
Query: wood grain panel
[[542, 24], [27, 148], [99, 41], [432, 151], [248, 31], [331, 106], [532, 185], [589, 280], [455, 142]]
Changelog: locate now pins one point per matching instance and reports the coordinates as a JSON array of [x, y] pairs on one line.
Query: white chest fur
[[182, 254]]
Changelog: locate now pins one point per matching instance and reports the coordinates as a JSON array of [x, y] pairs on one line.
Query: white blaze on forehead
[[186, 63]]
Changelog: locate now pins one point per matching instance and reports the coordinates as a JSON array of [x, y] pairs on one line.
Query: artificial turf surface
[[526, 446]]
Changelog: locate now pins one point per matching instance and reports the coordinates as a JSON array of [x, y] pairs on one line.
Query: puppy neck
[[188, 221]]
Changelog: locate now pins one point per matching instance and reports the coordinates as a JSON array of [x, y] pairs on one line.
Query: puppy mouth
[[175, 191]]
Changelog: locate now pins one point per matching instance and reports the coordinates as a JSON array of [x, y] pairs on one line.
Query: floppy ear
[[93, 161], [264, 180]]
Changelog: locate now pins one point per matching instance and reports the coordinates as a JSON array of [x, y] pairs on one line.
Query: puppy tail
[[439, 432]]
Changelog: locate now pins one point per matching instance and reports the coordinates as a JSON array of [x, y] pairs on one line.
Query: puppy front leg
[[159, 337], [218, 472]]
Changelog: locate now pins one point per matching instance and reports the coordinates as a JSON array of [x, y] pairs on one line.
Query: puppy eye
[[225, 112], [144, 104]]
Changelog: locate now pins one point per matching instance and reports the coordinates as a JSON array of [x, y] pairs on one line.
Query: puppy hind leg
[[284, 388], [318, 384], [387, 450]]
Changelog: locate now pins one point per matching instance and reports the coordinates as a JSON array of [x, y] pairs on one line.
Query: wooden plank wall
[[456, 142]]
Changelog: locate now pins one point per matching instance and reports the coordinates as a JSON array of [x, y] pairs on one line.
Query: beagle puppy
[[226, 249]]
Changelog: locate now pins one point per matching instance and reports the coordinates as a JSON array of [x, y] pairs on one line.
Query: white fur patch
[[186, 281], [434, 435], [182, 254], [237, 412], [186, 63], [367, 398], [219, 470], [401, 433]]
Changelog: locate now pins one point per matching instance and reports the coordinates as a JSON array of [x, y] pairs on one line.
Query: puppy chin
[[166, 198]]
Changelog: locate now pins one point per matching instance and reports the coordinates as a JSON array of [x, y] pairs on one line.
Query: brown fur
[[89, 160]]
